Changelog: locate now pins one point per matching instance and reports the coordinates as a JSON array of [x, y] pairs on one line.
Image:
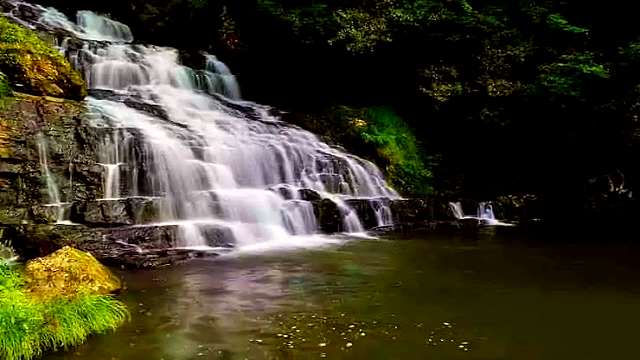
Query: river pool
[[419, 296]]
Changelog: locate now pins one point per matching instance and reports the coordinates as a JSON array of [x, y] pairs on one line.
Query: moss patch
[[31, 325], [67, 273], [31, 62]]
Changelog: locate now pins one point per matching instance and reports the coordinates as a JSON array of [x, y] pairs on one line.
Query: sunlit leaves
[[558, 22], [360, 31], [441, 83], [570, 73]]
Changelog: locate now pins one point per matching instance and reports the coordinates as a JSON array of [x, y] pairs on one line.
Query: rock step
[[131, 246], [113, 213]]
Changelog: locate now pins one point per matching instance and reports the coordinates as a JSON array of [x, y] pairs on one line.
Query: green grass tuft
[[29, 327], [5, 89], [5, 93]]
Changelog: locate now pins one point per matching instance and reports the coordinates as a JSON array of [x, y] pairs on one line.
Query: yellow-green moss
[[67, 273], [31, 62]]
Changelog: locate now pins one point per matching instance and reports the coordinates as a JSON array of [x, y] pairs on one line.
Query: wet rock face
[[119, 212], [218, 236], [365, 211], [70, 147], [328, 215], [309, 195], [130, 246], [407, 211]]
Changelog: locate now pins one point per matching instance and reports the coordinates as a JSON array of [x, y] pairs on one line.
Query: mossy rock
[[68, 273], [32, 63]]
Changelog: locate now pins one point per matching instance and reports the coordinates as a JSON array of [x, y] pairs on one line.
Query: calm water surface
[[420, 297]]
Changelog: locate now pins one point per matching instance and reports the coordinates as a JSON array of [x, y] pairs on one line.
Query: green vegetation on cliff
[[34, 66], [32, 322], [399, 149]]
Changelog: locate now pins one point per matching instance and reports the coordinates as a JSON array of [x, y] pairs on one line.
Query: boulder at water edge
[[67, 273]]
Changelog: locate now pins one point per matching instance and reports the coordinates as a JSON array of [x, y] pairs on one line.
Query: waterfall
[[52, 188], [102, 28], [383, 212], [456, 210], [185, 136], [484, 213], [219, 78]]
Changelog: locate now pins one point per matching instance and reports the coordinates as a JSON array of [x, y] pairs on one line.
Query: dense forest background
[[452, 98]]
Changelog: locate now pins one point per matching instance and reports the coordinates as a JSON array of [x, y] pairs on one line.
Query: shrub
[[398, 147]]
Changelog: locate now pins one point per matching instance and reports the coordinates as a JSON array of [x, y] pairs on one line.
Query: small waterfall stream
[[185, 138], [484, 213], [52, 188]]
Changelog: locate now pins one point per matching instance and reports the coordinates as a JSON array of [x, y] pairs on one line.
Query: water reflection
[[451, 298]]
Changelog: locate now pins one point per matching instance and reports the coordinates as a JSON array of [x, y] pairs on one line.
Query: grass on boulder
[[31, 325]]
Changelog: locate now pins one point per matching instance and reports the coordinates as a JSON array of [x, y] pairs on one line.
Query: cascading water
[[52, 188], [456, 210], [219, 79], [484, 213], [184, 137]]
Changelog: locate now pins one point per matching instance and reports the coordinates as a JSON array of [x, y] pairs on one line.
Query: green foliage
[[29, 326], [309, 23], [358, 28], [632, 52], [558, 22], [30, 61], [571, 73], [443, 83], [398, 147], [360, 31]]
